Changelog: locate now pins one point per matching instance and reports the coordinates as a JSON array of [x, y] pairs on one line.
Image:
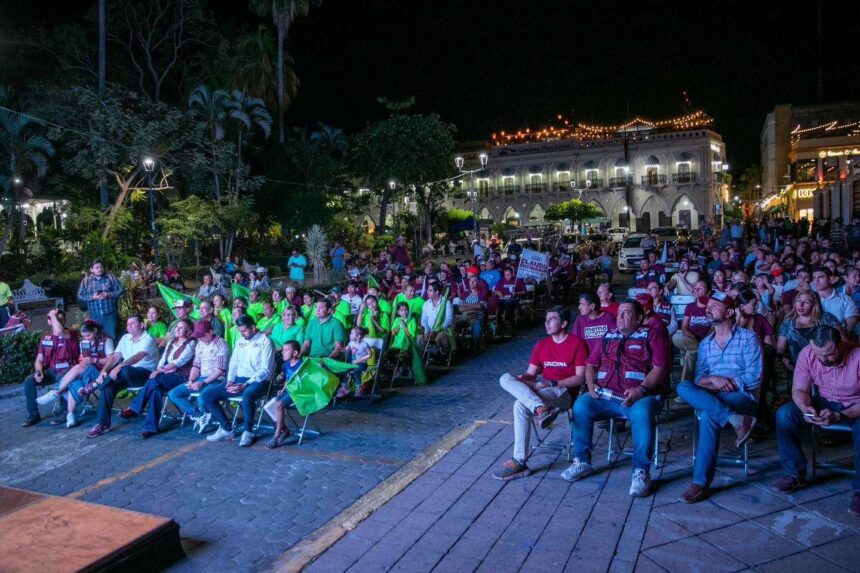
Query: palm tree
[[25, 152], [209, 107], [256, 68], [316, 247], [246, 114], [332, 139], [284, 13]]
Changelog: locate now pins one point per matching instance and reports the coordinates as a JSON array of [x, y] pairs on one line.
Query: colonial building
[[811, 160], [640, 175]]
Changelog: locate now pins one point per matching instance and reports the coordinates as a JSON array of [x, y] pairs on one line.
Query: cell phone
[[808, 415]]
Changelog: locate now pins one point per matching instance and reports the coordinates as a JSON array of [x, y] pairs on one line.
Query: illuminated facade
[[640, 175]]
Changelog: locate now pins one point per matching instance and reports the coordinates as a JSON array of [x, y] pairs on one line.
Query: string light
[[591, 132]]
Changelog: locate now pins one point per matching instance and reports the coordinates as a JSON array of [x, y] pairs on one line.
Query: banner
[[533, 265], [171, 296]]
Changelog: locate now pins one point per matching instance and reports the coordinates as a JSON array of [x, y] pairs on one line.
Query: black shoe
[[31, 421]]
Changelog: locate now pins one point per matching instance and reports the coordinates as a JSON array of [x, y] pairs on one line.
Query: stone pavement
[[239, 510], [455, 517]]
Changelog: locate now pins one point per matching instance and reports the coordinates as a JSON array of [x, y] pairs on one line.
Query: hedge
[[17, 354]]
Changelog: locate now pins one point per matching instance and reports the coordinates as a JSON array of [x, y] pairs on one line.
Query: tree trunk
[[239, 164], [281, 88], [383, 210], [197, 252], [125, 191], [215, 173], [103, 187]]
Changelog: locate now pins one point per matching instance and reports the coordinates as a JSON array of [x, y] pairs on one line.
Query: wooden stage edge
[[48, 533]]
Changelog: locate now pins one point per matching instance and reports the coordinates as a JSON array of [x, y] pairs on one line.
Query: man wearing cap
[[131, 363], [251, 366], [208, 367], [58, 352], [626, 378], [725, 390]]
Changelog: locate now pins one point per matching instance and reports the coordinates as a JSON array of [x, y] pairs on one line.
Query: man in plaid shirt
[[100, 292]]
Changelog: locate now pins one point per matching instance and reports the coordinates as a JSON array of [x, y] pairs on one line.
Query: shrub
[[17, 354]]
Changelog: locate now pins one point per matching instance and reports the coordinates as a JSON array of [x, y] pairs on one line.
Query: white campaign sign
[[533, 265]]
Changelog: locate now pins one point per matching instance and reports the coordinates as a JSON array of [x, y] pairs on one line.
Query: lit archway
[[537, 214]]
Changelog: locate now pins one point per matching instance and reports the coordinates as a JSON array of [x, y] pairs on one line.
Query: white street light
[[16, 180], [148, 164], [458, 161], [483, 157], [392, 185]]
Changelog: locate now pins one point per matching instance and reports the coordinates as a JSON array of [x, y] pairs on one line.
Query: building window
[[804, 171], [483, 187], [652, 174]]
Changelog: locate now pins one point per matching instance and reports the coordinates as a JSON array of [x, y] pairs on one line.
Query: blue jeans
[[128, 376], [150, 398], [715, 409], [109, 322], [790, 422], [49, 378], [214, 394], [91, 373], [641, 415], [180, 396]]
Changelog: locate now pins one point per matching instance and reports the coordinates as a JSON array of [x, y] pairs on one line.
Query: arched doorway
[[512, 217], [537, 214]]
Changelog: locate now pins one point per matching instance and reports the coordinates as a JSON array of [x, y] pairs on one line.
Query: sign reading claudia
[[838, 152], [533, 265]]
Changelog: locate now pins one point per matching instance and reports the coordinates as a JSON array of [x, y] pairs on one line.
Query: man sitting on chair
[[134, 359], [725, 391], [833, 365], [560, 360], [251, 368], [625, 377], [429, 321], [58, 352]]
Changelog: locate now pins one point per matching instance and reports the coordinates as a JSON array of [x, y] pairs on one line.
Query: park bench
[[33, 296]]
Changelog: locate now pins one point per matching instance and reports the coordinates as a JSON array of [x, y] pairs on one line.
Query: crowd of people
[[756, 317], [759, 306]]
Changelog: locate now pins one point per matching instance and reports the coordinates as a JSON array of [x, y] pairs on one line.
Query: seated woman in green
[[287, 329], [269, 320], [374, 321], [154, 326], [404, 328]]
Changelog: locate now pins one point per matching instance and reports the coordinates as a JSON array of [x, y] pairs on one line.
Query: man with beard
[[695, 326], [833, 365], [725, 391]]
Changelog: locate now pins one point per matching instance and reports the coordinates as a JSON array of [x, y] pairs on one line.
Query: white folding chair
[[743, 459], [236, 403]]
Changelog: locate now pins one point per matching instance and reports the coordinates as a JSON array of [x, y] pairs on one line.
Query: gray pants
[[526, 402], [689, 348]]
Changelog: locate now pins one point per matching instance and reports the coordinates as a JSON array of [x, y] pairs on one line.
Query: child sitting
[[357, 353], [276, 407]]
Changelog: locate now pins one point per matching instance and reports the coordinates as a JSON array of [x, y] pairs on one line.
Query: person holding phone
[[100, 291], [833, 366]]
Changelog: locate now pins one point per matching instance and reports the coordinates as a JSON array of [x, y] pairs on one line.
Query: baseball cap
[[723, 298], [473, 270], [201, 328]]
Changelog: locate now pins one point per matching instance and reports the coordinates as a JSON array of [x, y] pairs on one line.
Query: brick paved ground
[[457, 518], [239, 509]]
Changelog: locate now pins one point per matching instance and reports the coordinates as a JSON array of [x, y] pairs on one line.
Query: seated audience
[[58, 352]]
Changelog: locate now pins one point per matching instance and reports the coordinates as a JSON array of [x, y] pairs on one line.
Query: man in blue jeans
[[101, 291], [626, 379], [833, 366], [725, 390], [251, 368]]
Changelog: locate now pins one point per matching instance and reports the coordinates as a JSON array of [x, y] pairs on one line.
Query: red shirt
[[593, 331], [510, 287], [699, 325], [558, 360], [624, 362], [611, 308]]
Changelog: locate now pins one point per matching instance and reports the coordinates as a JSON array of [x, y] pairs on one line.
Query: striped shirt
[[740, 360], [93, 285]]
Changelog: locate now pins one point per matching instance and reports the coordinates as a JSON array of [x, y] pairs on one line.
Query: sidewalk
[[455, 517]]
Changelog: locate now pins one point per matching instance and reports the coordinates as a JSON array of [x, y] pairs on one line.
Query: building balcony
[[689, 177], [591, 183], [535, 188], [621, 181], [655, 179], [561, 187], [509, 189]]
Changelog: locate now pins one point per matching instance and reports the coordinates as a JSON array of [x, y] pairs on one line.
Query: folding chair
[[303, 430], [562, 447], [743, 459], [380, 356], [621, 452], [236, 402], [816, 465]]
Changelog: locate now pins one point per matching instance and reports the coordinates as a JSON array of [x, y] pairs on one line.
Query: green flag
[[440, 316], [418, 372], [343, 314], [171, 297], [337, 366], [312, 387], [371, 282], [239, 290], [384, 305]]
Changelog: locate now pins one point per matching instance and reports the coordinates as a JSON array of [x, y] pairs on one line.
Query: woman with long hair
[[720, 283], [796, 329], [748, 317]]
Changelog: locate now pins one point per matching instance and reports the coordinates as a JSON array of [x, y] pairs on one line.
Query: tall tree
[[208, 107], [284, 13], [103, 186], [409, 149], [246, 114], [255, 67]]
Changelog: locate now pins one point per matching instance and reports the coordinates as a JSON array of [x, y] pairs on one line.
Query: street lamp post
[[472, 192], [149, 167]]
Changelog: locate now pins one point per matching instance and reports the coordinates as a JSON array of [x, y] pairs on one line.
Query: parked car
[[618, 234], [631, 253], [663, 234]]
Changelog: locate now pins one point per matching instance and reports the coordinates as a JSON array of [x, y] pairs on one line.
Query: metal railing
[[654, 179], [689, 177], [621, 181]]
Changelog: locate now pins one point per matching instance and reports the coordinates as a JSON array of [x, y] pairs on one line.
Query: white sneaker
[[640, 485], [48, 398], [577, 470], [246, 440], [221, 434], [71, 421]]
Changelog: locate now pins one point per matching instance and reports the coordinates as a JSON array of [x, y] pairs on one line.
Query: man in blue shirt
[[725, 390], [100, 291], [297, 263]]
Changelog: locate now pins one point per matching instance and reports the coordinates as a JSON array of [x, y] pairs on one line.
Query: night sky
[[493, 65]]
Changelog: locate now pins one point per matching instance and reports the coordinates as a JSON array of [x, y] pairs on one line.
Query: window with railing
[[653, 176], [483, 188], [804, 171], [535, 184]]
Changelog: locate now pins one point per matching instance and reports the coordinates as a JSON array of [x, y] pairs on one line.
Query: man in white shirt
[[433, 332], [839, 305], [251, 367], [131, 363]]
